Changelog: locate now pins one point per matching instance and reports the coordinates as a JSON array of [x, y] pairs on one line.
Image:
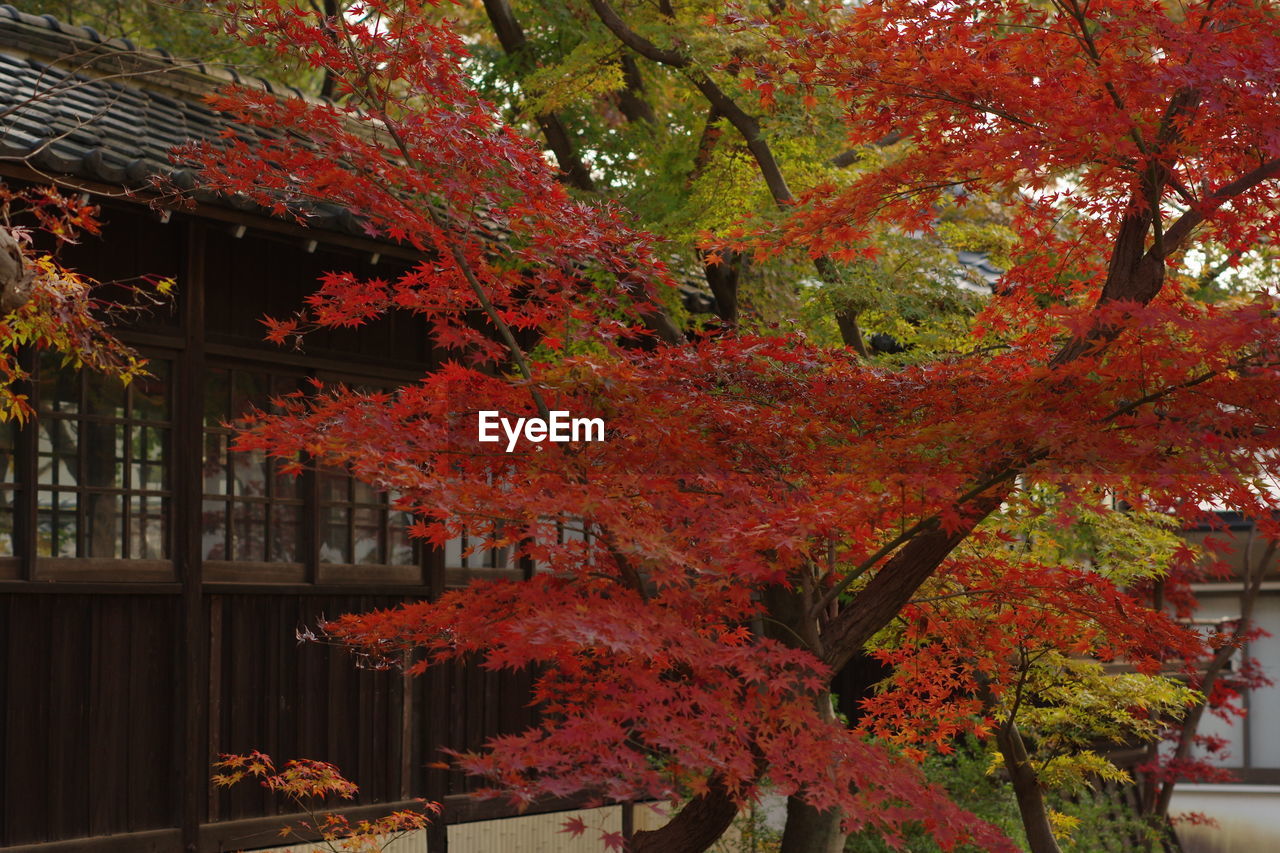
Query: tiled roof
[[75, 104]]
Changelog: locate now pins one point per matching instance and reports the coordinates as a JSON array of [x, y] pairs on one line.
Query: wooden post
[[187, 490]]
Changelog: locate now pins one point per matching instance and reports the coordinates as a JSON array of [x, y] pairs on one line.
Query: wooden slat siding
[[430, 723], [105, 720], [261, 643], [402, 743], [338, 678], [382, 724], [288, 711], [433, 722], [113, 653], [346, 743], [477, 710], [242, 659], [213, 719], [155, 733], [390, 700], [517, 689], [274, 689], [307, 700], [465, 725], [312, 691], [454, 702], [375, 718], [259, 274], [74, 762], [154, 727], [73, 656], [487, 697], [26, 766]]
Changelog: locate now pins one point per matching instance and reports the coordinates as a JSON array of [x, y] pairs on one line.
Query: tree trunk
[[879, 602], [811, 831], [1026, 787], [693, 829]]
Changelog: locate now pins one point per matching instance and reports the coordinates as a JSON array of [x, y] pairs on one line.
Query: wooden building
[[153, 583]]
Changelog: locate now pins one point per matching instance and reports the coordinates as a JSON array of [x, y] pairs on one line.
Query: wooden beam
[[193, 757], [151, 841], [205, 210]]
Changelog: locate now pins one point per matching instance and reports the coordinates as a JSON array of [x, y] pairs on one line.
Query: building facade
[[153, 581]]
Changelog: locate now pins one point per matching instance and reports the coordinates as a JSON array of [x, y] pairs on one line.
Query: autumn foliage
[[47, 306], [310, 785], [764, 507]]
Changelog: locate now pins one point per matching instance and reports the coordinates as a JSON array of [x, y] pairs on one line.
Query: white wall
[[1264, 702], [1248, 818]]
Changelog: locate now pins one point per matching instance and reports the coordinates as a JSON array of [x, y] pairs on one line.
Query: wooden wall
[[93, 710], [89, 734], [120, 682]]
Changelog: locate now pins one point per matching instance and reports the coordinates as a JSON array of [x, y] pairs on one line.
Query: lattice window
[[359, 526], [251, 511], [8, 488], [471, 551], [102, 463]]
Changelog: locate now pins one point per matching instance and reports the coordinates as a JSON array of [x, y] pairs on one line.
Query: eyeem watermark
[[560, 427]]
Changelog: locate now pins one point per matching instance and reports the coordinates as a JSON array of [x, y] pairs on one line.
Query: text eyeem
[[558, 427]]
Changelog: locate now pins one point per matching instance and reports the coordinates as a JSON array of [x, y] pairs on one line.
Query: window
[[472, 556], [102, 464], [101, 455], [254, 513], [8, 488], [359, 526], [251, 512]]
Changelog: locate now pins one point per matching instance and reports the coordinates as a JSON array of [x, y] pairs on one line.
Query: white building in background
[[1247, 811]]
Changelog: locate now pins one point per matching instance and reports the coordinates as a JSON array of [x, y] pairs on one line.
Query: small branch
[[1178, 233], [853, 155], [512, 38]]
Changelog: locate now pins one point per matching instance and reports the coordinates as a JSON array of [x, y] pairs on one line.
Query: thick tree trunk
[[880, 601], [811, 831], [1026, 787], [851, 333], [693, 829]]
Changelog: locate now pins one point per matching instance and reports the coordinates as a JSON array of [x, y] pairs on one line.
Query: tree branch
[[1178, 233], [512, 38], [747, 126]]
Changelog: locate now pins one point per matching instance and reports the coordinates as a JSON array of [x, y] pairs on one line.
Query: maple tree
[[763, 506], [983, 620], [307, 783]]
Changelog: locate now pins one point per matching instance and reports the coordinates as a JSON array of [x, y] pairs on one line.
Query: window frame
[[83, 566]]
